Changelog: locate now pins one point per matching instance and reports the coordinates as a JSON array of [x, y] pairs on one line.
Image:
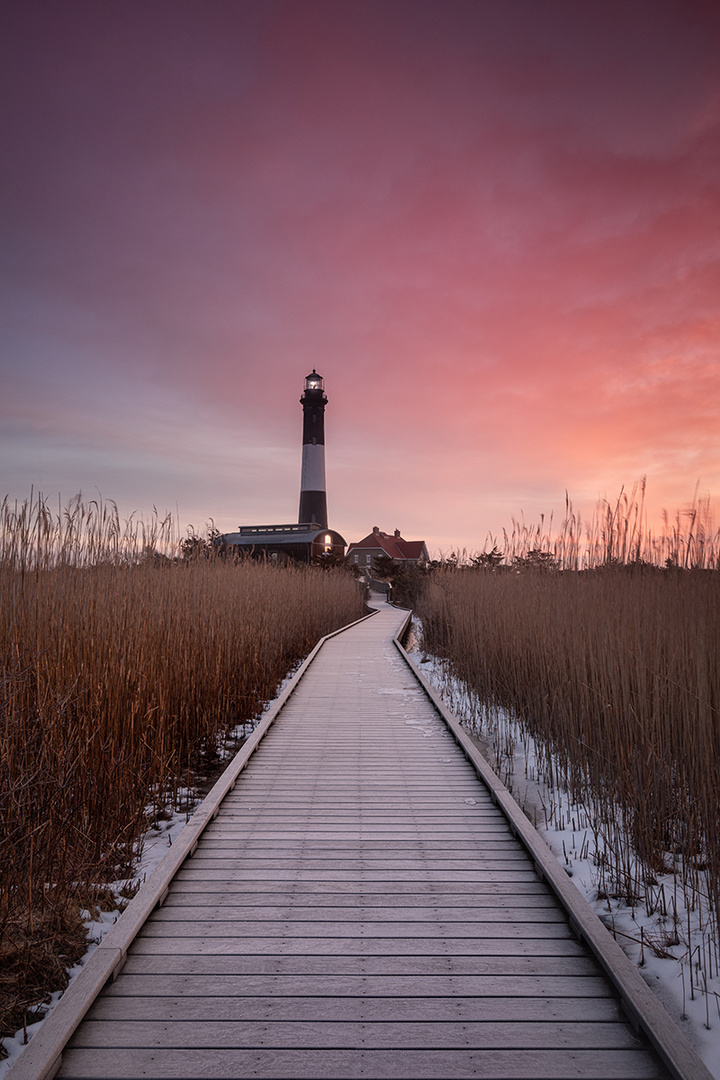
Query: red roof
[[393, 546]]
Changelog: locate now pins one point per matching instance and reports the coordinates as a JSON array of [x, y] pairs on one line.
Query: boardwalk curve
[[359, 907]]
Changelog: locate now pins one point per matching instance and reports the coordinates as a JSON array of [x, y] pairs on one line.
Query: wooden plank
[[239, 963], [380, 894], [469, 837], [358, 861], [283, 846], [319, 1009], [388, 986], [189, 883], [496, 945], [272, 808], [343, 845], [191, 894], [367, 831], [351, 923], [191, 906], [438, 1035], [379, 931], [351, 1063], [510, 872]]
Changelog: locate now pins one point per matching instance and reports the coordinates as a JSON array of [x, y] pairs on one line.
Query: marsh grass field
[[122, 667], [611, 664]]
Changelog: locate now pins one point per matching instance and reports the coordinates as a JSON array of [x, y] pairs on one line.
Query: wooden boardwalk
[[359, 908]]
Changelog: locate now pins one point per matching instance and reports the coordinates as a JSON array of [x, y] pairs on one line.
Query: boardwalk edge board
[[42, 1057], [641, 1005]]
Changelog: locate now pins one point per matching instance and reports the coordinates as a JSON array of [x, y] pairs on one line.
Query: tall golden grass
[[615, 672], [120, 665], [617, 532]]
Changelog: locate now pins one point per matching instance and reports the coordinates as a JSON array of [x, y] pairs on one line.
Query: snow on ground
[[662, 935]]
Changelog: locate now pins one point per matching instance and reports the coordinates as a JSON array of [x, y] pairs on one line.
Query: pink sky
[[493, 226]]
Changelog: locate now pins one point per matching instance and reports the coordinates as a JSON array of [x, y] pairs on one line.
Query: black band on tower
[[313, 508]]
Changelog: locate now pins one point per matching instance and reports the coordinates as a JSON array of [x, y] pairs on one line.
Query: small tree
[[488, 560], [408, 584], [194, 547], [384, 566], [329, 560], [536, 560]]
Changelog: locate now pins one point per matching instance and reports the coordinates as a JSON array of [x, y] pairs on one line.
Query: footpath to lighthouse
[[360, 907]]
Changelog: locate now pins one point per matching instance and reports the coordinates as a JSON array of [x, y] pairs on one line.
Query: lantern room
[[314, 382]]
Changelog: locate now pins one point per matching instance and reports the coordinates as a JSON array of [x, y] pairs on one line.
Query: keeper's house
[[407, 552]]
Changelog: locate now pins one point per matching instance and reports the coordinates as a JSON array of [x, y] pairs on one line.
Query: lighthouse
[[310, 541], [313, 500]]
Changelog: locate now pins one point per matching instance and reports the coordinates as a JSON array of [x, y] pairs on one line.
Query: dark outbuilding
[[278, 543]]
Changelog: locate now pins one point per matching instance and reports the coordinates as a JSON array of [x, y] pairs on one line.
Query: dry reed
[[121, 666], [615, 673], [616, 533]]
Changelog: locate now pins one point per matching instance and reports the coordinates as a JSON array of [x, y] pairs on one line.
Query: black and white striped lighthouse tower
[[313, 500]]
